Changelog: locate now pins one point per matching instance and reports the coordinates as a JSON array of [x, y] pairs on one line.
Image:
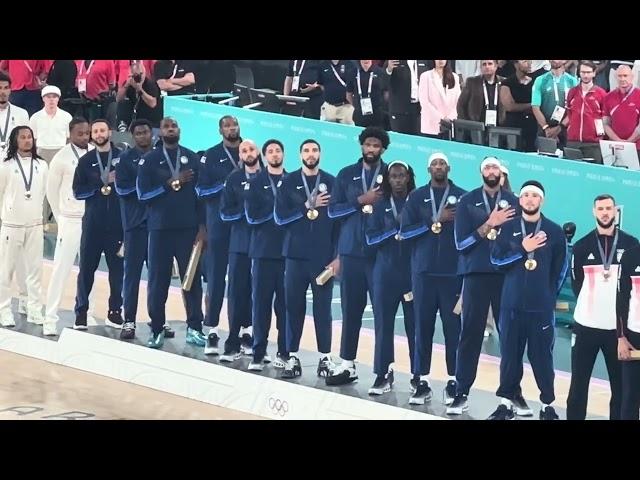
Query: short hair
[[225, 118], [139, 122], [271, 141], [77, 121], [310, 140], [587, 63], [101, 120], [375, 132], [5, 78], [604, 196]]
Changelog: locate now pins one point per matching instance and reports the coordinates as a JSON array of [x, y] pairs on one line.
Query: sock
[[507, 402], [452, 377], [425, 378]]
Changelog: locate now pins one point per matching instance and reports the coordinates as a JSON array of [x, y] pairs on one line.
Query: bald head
[[249, 153], [170, 132], [625, 76]]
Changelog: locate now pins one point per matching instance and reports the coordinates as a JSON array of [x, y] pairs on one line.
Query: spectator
[[11, 116], [122, 69], [335, 75], [602, 73], [584, 117], [621, 117], [62, 74], [138, 97], [404, 102], [613, 78], [175, 77], [302, 80], [366, 94], [28, 77], [515, 96], [481, 95], [439, 90], [548, 101], [539, 67], [96, 80], [506, 68]]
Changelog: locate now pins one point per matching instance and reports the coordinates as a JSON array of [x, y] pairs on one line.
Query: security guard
[[427, 222], [167, 176], [356, 194], [265, 252], [391, 274], [93, 182], [533, 251], [310, 251], [215, 166], [479, 215], [239, 295], [134, 222], [595, 259]]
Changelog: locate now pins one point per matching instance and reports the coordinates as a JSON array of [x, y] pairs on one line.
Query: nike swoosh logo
[[478, 204], [300, 186], [356, 178], [544, 328], [388, 209], [243, 183], [265, 187], [517, 233], [427, 200], [94, 164], [162, 162], [223, 160], [326, 70]]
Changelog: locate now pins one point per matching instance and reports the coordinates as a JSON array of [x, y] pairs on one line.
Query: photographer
[[138, 97]]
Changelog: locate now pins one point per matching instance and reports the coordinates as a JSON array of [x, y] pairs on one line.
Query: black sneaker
[[383, 384], [281, 360], [423, 394], [114, 319], [293, 368], [413, 384], [450, 392], [211, 347], [168, 331], [341, 376], [128, 331], [502, 413], [458, 406], [230, 356], [548, 413], [520, 406], [246, 344], [325, 365], [81, 322]]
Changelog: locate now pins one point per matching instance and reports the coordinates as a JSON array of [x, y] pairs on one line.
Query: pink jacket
[[436, 102]]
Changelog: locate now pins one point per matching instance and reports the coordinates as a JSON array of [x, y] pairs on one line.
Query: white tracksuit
[[21, 234], [68, 213]]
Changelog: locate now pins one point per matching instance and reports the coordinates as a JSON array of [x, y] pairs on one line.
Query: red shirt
[[99, 75], [122, 69], [624, 111], [583, 112], [24, 73]]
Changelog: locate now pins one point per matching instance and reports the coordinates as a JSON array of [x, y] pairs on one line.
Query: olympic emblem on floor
[[278, 407]]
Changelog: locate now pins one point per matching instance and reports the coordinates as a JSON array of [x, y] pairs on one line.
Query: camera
[[137, 77]]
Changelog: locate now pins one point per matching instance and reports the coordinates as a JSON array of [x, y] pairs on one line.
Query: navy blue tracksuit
[[215, 167], [239, 295], [482, 284], [435, 281], [528, 305], [101, 230], [173, 219], [391, 280], [267, 266], [134, 224], [309, 246], [356, 257]]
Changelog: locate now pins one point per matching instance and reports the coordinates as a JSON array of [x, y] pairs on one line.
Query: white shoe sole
[[49, 331], [457, 411], [380, 391], [109, 323], [246, 351], [211, 350], [229, 358], [8, 324], [79, 327], [523, 412], [255, 367]]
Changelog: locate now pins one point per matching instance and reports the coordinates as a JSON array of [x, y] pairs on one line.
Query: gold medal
[[106, 190], [493, 234], [436, 227], [312, 214], [175, 184], [530, 264], [368, 209]]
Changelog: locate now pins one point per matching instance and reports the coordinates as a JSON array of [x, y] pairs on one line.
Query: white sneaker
[[7, 320], [35, 316], [49, 329]]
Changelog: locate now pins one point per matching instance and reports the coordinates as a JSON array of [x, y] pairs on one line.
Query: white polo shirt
[[17, 117], [50, 132]]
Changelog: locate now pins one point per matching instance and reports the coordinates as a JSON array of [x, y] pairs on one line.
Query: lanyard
[[436, 215], [296, 72], [486, 200], [373, 180], [370, 84], [524, 234], [27, 183], [175, 169], [555, 91], [623, 100], [608, 260], [226, 150], [338, 77], [82, 70], [104, 171], [311, 195], [486, 94], [3, 135]]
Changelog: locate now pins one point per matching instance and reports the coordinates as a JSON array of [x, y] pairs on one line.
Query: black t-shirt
[[165, 69], [309, 73], [63, 75], [140, 108], [334, 91], [378, 86]]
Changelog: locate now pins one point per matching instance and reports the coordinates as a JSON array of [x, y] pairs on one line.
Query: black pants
[[631, 383], [407, 122], [587, 342]]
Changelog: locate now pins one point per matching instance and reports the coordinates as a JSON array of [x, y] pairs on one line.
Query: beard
[[311, 165], [533, 211], [101, 143], [276, 164], [605, 225], [250, 163], [171, 140], [371, 160], [491, 182], [232, 137]]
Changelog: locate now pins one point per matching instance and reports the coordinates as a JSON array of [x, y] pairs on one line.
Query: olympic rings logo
[[278, 407]]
